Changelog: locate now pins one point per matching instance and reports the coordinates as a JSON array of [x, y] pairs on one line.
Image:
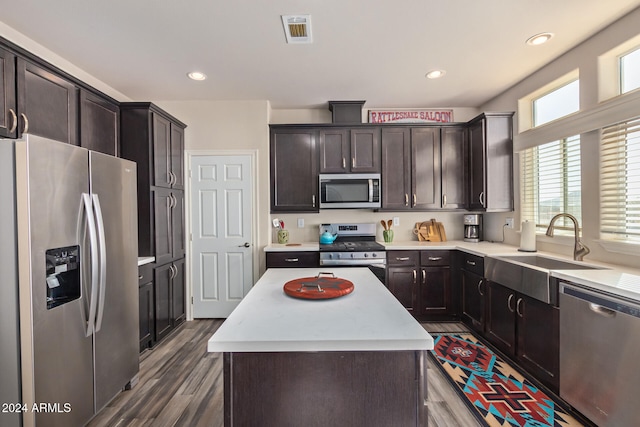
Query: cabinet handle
[[173, 178], [481, 198], [424, 277], [472, 263], [291, 259], [444, 200], [415, 276], [415, 199], [313, 200], [402, 258], [406, 199], [172, 272], [344, 163], [518, 310], [140, 277], [509, 303], [26, 123], [353, 162], [14, 120], [479, 287], [435, 258], [172, 201]]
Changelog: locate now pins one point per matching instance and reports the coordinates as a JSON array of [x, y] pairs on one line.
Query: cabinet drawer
[[435, 258], [472, 263], [145, 274], [293, 259], [406, 258]]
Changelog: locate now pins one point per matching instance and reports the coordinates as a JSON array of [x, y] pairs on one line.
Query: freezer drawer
[[598, 355]]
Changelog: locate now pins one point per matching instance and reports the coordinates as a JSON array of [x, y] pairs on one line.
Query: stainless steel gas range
[[354, 246]]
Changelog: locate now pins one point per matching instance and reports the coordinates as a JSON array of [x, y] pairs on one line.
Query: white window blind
[[550, 183], [620, 182]]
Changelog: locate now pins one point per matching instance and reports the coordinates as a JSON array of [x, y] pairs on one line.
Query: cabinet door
[[47, 103], [425, 168], [162, 287], [477, 196], [292, 259], [99, 124], [435, 291], [178, 312], [147, 319], [8, 112], [177, 156], [538, 326], [454, 168], [402, 282], [473, 300], [161, 151], [501, 322], [178, 240], [396, 166], [334, 151], [365, 150], [294, 171], [163, 238]]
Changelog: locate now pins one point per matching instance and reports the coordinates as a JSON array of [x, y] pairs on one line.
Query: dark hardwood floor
[[181, 384]]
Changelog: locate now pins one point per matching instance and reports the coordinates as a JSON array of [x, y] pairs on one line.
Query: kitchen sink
[[529, 274]]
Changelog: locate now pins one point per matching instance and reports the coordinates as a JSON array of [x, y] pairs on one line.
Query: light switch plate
[[396, 221], [509, 222], [300, 222]]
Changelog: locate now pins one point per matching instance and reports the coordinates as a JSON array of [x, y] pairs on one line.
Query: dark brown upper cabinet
[[491, 162], [411, 168], [453, 165], [294, 170], [47, 104], [349, 150], [99, 124]]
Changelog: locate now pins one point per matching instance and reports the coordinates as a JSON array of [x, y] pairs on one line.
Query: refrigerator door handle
[[93, 248], [103, 260]]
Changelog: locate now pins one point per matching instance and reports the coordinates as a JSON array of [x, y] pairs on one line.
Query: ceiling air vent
[[297, 28]]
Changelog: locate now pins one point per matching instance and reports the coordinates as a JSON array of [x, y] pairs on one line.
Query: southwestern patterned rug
[[498, 394]]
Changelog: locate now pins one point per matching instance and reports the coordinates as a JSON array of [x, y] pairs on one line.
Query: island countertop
[[368, 319]]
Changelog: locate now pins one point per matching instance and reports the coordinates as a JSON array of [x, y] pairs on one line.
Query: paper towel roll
[[528, 237]]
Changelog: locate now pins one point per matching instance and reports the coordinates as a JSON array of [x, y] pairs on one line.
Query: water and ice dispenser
[[63, 275]]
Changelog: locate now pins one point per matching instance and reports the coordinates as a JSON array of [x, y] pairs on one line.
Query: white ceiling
[[378, 51]]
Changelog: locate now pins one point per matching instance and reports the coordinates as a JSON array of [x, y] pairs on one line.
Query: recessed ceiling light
[[197, 75], [435, 74], [539, 39]]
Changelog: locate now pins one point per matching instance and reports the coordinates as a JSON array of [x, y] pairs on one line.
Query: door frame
[[189, 155]]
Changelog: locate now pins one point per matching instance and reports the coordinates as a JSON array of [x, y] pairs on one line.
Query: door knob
[[246, 245]]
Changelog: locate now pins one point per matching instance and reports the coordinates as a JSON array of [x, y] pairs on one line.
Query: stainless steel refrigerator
[[74, 246]]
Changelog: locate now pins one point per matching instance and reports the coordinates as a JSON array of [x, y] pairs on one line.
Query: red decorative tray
[[322, 286]]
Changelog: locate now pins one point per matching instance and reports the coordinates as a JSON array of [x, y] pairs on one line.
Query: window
[[557, 103], [630, 71], [620, 182], [550, 183]]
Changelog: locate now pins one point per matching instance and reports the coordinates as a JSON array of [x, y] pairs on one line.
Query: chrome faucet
[[579, 249]]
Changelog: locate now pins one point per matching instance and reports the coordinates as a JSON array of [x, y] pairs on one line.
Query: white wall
[[585, 58]]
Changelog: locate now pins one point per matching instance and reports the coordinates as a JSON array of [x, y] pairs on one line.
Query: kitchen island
[[356, 360]]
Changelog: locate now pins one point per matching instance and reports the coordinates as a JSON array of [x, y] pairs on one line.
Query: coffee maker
[[472, 227]]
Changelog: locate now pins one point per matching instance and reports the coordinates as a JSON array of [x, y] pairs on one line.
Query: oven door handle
[[370, 190]]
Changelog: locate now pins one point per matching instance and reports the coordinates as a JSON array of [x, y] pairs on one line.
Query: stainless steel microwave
[[350, 191]]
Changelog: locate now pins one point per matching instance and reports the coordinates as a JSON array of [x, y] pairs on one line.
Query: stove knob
[[330, 256], [374, 254], [351, 255], [366, 255]]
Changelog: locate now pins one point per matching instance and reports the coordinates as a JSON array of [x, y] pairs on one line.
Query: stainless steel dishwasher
[[599, 348]]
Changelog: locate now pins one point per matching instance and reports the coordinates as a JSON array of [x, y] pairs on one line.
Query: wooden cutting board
[[322, 286]]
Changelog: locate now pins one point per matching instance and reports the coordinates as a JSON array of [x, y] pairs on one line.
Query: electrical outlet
[[300, 222], [396, 221], [509, 222]]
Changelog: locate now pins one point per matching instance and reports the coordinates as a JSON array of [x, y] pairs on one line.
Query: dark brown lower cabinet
[[402, 282], [357, 389], [169, 297], [293, 259], [526, 330], [472, 304], [146, 306]]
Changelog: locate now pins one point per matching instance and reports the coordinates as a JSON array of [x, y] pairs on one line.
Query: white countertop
[[145, 260], [613, 279], [293, 247], [368, 319]]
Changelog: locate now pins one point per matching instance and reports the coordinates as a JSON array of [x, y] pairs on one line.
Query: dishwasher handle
[[602, 311]]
